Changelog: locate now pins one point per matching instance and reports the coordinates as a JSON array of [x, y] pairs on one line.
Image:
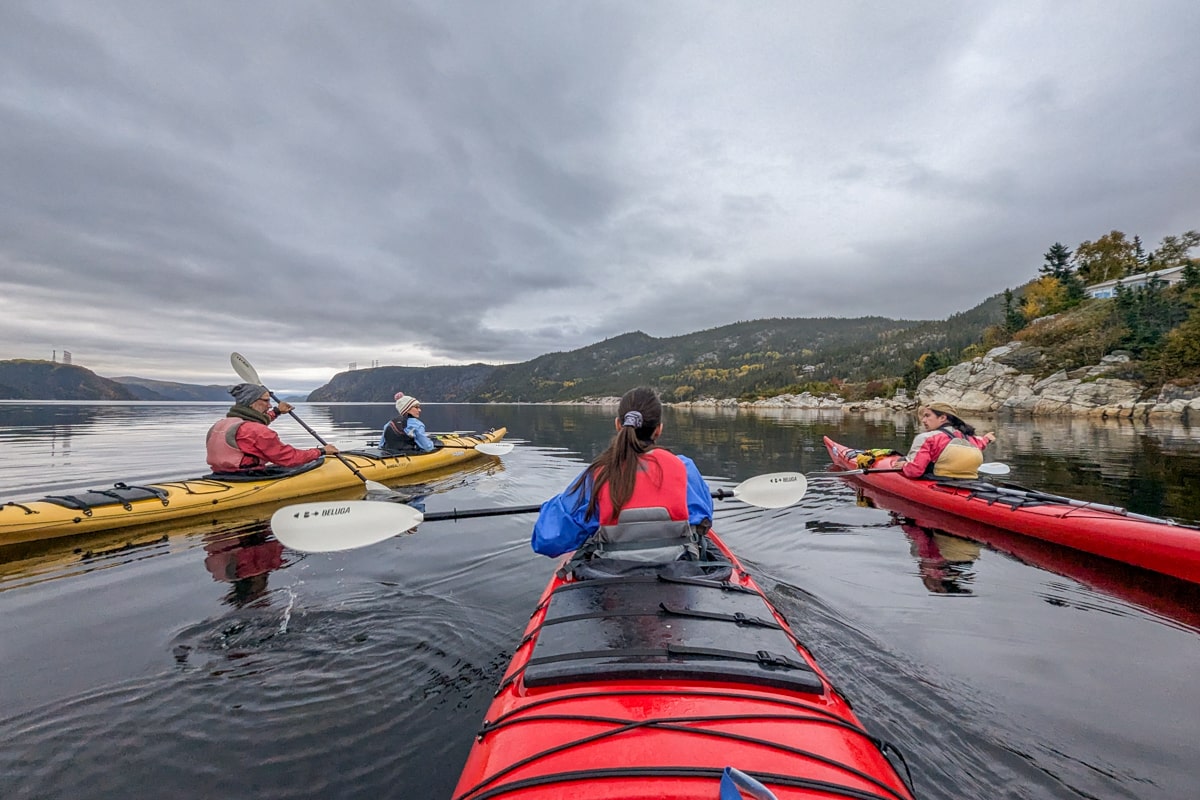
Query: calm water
[[211, 662]]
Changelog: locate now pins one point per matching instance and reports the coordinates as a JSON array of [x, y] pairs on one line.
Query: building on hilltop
[[1169, 276]]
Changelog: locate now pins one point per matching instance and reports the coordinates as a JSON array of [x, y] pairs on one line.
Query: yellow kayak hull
[[38, 520]]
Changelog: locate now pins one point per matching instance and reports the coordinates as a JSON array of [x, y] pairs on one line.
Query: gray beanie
[[246, 393]]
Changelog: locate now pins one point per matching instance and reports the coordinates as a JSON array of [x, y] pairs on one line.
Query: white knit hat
[[404, 403]]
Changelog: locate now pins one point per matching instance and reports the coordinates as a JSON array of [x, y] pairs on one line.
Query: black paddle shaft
[[469, 513], [317, 436]]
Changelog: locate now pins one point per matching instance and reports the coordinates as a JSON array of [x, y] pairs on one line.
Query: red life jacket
[[223, 452], [653, 526]]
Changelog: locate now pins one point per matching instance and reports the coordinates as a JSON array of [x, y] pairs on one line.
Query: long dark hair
[[958, 424], [617, 466]]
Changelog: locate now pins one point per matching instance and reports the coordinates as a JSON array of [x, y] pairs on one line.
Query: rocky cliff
[[1005, 379]]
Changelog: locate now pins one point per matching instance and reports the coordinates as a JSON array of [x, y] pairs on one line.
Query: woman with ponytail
[[948, 448], [637, 502]]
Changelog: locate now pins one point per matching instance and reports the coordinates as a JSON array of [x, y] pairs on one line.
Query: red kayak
[[651, 685], [1160, 545]]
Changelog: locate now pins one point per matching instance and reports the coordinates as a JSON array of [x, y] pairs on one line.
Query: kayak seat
[[639, 628], [264, 473], [120, 494]]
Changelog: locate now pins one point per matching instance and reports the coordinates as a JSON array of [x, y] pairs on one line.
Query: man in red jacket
[[243, 441]]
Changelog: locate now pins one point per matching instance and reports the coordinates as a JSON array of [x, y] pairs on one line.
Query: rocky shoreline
[[997, 382]]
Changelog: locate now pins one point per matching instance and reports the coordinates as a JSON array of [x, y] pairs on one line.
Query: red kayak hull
[[613, 731], [1159, 546]]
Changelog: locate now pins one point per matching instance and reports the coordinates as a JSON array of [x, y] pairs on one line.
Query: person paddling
[[948, 448], [242, 441], [637, 503], [405, 432]]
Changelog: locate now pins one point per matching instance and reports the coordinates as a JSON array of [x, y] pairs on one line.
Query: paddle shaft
[[317, 436], [470, 513], [1034, 494], [853, 472], [325, 527]]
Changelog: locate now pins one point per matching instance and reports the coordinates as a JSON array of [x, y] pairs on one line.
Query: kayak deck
[[1159, 545], [650, 685], [123, 506]]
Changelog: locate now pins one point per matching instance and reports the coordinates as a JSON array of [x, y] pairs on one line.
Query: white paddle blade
[[243, 368], [331, 526], [773, 490], [994, 468], [375, 487], [495, 448]]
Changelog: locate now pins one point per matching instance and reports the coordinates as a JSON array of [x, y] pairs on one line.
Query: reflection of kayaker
[[944, 561], [245, 562]]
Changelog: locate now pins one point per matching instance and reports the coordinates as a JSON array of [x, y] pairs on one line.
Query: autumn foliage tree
[[1042, 297], [1110, 257]]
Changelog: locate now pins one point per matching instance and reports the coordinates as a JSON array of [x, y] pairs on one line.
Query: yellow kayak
[[122, 505]]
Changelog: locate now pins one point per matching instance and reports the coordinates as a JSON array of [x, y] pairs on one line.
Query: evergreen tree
[[1140, 259], [1147, 314], [1058, 261], [1058, 266], [1014, 319], [1191, 275]]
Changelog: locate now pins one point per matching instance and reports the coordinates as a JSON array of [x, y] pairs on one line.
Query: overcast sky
[[313, 184]]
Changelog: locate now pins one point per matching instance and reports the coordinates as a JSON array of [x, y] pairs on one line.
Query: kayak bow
[[651, 685]]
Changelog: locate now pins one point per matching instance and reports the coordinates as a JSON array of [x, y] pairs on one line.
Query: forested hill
[[23, 379], [746, 359], [147, 389]]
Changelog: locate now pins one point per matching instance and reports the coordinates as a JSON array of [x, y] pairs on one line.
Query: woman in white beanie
[[405, 433]]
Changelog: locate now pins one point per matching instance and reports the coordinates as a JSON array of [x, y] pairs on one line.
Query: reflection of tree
[[944, 561], [243, 561]]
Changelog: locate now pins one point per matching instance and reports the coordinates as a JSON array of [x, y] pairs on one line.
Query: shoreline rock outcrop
[[1003, 380], [998, 381]]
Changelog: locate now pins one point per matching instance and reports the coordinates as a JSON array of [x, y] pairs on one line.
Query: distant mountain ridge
[[147, 389], [745, 359], [758, 358], [27, 379], [24, 379]]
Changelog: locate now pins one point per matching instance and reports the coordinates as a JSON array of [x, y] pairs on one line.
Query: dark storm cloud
[[316, 184]]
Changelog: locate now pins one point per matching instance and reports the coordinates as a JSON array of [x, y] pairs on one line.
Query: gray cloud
[[444, 182]]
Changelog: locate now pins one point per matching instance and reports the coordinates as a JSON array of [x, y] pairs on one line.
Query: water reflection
[[946, 546], [244, 560], [944, 561]]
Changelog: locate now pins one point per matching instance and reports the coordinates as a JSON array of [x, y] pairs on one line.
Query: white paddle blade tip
[[495, 448], [243, 368], [332, 526], [994, 468], [774, 490]]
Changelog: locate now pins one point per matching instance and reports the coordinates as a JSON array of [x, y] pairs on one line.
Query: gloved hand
[[283, 407]]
